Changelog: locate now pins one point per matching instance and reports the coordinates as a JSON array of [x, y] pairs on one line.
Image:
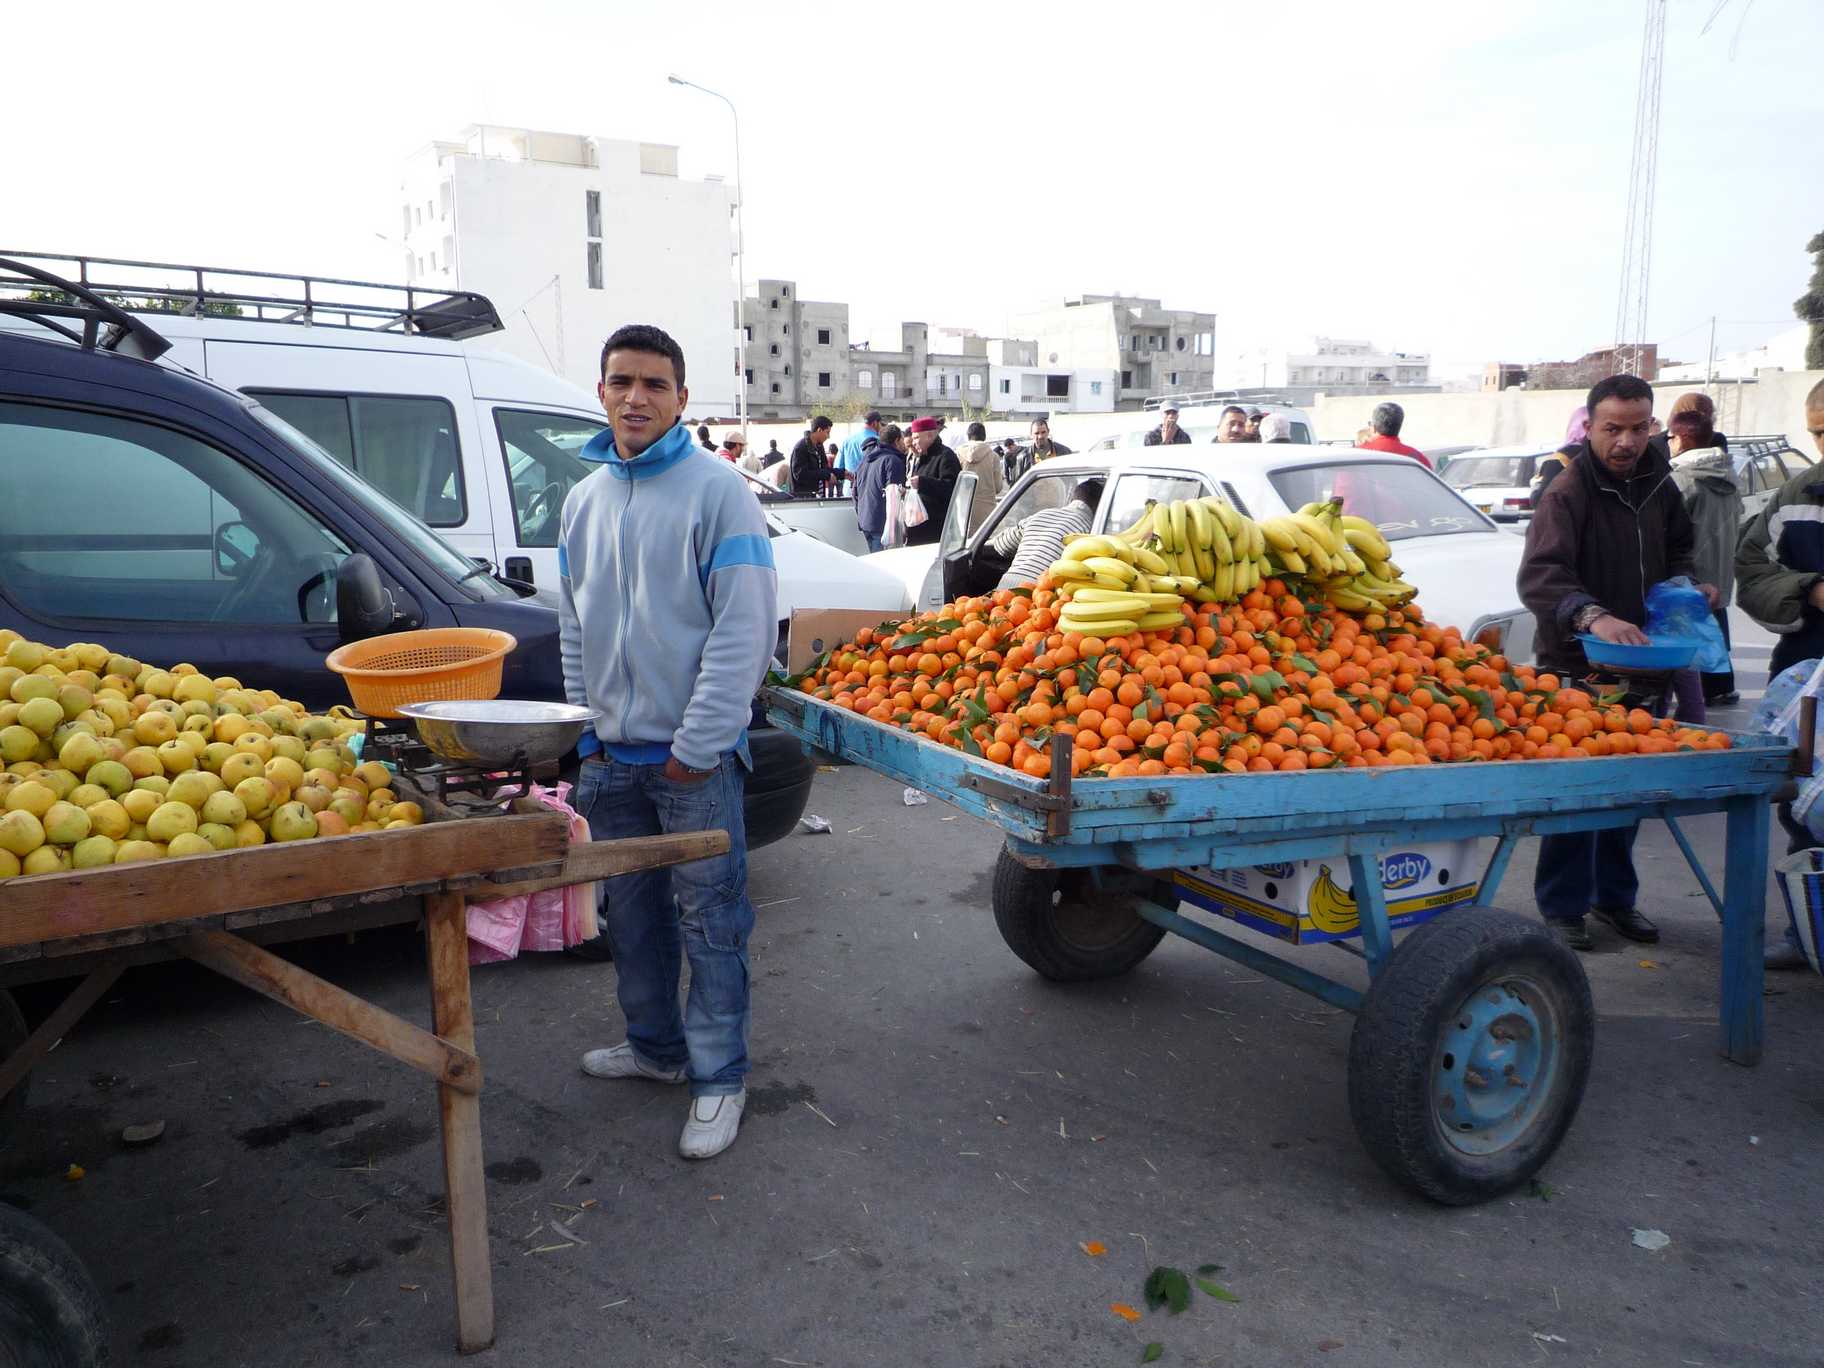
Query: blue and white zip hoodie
[[666, 601]]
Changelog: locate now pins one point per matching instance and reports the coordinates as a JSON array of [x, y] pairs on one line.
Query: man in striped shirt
[[1036, 541]]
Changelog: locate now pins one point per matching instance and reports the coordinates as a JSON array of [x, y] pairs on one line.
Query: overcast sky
[[1446, 177]]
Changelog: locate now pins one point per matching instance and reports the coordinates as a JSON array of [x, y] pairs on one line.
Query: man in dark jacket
[[1168, 433], [934, 472], [1040, 448], [883, 463], [1608, 529], [810, 468]]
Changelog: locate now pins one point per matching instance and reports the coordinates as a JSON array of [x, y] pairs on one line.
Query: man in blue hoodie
[[668, 621]]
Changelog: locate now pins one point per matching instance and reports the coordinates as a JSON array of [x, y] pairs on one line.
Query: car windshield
[[451, 562], [1489, 472], [1402, 498]]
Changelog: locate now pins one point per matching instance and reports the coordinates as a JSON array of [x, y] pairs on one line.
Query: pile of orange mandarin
[[1274, 682]]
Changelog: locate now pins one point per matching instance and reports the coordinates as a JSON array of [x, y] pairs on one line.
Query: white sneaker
[[619, 1061], [712, 1125]]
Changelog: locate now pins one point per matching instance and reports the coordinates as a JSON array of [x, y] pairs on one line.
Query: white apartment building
[[1018, 384], [1344, 361], [1145, 347], [571, 236]]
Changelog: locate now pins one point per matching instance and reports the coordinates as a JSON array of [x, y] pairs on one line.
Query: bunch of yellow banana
[[1209, 541], [1343, 555], [1113, 585]]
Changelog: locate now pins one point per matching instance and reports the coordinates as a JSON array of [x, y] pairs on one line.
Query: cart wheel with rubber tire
[[1470, 1054], [13, 1034], [1062, 924], [51, 1315]]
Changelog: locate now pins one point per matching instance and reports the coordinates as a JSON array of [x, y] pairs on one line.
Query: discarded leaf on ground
[[1216, 1290], [1168, 1287], [1648, 964], [1094, 1248], [1208, 1270], [1324, 1346], [75, 1173], [1651, 1239], [1123, 1310], [1152, 1353]]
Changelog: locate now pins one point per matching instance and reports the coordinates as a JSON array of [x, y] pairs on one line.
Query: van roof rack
[[260, 296], [46, 299]]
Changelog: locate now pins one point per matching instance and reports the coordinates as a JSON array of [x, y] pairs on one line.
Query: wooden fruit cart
[[212, 909], [1473, 1041]]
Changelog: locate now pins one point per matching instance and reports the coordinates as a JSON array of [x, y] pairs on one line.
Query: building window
[[785, 330], [772, 304], [1178, 342], [417, 216], [592, 213], [975, 382], [406, 227], [1057, 387], [823, 337], [889, 382], [823, 379], [748, 332], [1172, 378], [1006, 387], [772, 349], [750, 375], [785, 289], [595, 265], [788, 368], [1127, 379], [1095, 387], [775, 387], [864, 379]]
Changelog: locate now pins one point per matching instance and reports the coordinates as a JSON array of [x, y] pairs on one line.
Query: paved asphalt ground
[[932, 1130]]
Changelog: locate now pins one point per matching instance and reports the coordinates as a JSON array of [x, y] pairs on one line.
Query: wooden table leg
[[465, 1192], [1744, 932]]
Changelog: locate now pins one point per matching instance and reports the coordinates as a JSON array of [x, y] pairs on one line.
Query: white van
[[478, 444]]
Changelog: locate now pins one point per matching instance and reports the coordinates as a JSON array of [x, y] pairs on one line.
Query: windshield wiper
[[478, 570]]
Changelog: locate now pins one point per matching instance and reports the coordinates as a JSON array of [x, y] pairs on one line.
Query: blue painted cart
[[1472, 1043]]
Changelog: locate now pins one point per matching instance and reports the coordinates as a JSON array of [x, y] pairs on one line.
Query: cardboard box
[[813, 631], [1313, 900]]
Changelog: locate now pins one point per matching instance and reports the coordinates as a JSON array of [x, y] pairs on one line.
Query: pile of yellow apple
[[109, 761]]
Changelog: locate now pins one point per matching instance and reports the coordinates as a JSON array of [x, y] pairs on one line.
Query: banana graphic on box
[[1331, 908]]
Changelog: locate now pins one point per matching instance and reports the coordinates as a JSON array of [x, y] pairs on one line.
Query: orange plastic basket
[[436, 665]]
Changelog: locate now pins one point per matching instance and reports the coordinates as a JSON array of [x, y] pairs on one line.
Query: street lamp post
[[740, 257]]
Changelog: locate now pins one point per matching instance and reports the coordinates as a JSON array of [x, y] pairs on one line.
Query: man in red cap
[[934, 471]]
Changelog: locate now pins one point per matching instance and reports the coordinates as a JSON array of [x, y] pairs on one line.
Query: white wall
[[666, 260]]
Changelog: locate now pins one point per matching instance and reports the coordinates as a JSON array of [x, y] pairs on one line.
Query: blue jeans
[[874, 541], [1584, 869], [655, 917]]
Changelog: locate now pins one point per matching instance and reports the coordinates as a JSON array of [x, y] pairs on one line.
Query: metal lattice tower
[[1637, 236]]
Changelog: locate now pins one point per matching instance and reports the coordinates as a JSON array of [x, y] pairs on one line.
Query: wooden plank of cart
[[213, 908], [1473, 1041]]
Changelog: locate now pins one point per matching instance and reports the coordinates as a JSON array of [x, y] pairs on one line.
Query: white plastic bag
[[894, 533], [914, 507]]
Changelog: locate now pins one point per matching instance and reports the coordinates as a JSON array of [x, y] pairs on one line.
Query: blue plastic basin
[[1668, 653]]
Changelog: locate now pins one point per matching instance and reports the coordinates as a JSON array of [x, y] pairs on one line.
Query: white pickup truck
[[1463, 565]]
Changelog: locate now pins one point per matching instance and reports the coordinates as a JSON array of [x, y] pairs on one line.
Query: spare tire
[[51, 1316]]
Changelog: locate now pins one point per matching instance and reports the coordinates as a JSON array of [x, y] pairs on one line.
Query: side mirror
[[364, 606]]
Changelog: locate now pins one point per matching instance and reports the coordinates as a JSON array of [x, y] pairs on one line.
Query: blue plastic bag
[[1678, 608]]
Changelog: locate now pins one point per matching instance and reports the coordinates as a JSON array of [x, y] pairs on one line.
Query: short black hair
[[1625, 387], [1089, 491], [1232, 408], [873, 416], [819, 423], [1815, 400], [1388, 419], [643, 337], [977, 433], [702, 428], [891, 434]]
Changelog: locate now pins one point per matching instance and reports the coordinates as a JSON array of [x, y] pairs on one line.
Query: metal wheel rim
[[1494, 1066], [1087, 920]]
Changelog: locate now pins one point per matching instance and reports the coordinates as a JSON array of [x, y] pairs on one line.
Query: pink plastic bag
[[548, 920]]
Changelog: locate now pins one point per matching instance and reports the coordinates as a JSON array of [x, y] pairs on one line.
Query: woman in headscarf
[[1575, 433]]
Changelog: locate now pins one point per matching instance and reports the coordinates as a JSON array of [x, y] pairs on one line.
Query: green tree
[[212, 308], [1810, 306], [850, 408]]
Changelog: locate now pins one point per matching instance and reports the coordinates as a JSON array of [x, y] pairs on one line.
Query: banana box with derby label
[[1308, 901]]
